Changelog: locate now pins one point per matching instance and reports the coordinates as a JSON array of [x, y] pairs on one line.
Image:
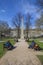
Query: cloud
[[3, 10], [27, 8], [32, 10]]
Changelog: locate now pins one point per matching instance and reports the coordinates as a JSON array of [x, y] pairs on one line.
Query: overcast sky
[[9, 8]]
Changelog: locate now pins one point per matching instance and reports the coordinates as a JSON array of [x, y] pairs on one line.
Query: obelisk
[[22, 29]]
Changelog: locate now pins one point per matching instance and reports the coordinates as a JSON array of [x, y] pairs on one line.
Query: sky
[[10, 8]]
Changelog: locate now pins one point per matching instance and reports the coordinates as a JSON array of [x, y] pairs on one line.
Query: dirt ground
[[21, 55]]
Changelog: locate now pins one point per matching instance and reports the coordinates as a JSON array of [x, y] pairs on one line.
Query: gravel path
[[21, 55]]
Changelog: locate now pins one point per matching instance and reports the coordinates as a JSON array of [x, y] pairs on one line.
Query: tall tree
[[39, 24], [3, 27], [39, 3], [17, 23], [28, 24]]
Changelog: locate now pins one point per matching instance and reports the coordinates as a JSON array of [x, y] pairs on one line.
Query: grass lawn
[[37, 41], [40, 58], [2, 52], [41, 46]]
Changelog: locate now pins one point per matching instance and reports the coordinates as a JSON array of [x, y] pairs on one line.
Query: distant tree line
[[4, 28]]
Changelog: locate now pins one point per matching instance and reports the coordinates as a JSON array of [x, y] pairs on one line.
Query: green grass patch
[[40, 58], [3, 51], [37, 41]]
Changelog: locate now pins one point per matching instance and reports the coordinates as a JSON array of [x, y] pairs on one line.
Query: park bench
[[6, 47]]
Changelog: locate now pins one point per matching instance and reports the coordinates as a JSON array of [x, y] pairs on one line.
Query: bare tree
[[39, 24], [17, 23], [3, 27], [39, 3], [28, 24]]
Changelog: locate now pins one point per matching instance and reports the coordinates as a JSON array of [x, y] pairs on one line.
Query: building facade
[[31, 33]]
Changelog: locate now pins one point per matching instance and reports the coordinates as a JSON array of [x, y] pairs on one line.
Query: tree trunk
[[18, 33]]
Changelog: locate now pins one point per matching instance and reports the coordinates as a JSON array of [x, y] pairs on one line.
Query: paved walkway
[[21, 55]]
